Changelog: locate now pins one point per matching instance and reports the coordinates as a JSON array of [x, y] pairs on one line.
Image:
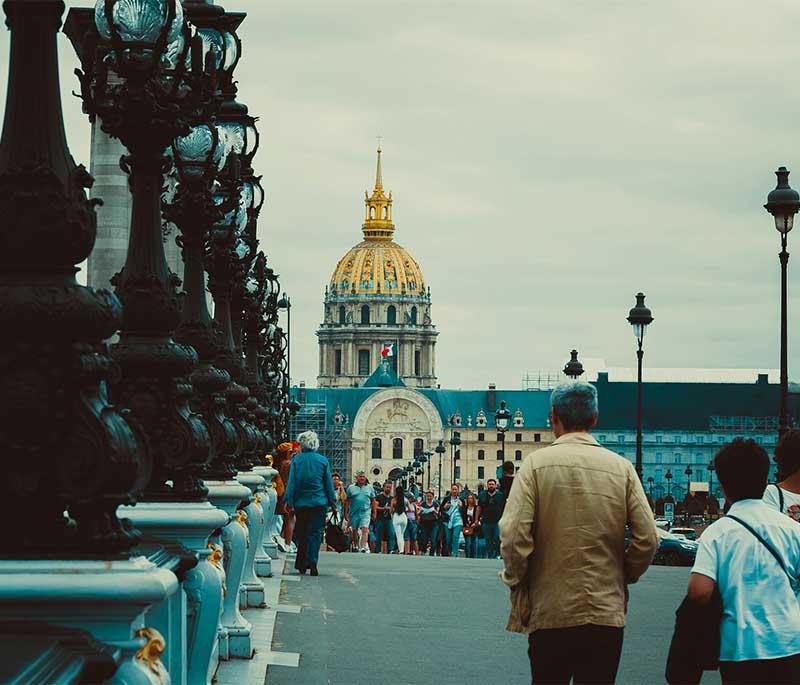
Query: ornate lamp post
[[426, 458], [711, 468], [455, 441], [783, 203], [688, 473], [650, 482], [440, 450], [668, 476], [640, 317], [573, 369], [502, 421], [135, 80], [286, 303]]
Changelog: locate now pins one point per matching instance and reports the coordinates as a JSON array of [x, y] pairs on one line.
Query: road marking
[[291, 659]]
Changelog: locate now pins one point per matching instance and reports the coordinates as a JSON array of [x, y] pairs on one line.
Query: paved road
[[387, 619]]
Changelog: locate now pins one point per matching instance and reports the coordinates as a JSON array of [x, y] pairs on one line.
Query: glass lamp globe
[[231, 51], [213, 41], [139, 21], [197, 151]]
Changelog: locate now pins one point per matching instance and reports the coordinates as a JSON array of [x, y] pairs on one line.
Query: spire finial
[[378, 171]]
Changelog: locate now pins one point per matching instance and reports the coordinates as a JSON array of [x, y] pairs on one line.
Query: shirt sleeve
[[770, 497], [329, 491], [707, 557], [644, 537], [516, 528]]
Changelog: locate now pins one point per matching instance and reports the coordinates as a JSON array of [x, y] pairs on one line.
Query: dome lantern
[[378, 216]]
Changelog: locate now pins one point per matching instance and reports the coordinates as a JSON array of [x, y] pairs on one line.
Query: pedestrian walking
[[507, 479], [399, 518], [491, 509], [453, 507], [752, 557], [358, 510], [341, 497], [412, 532], [785, 496], [428, 523], [471, 513], [382, 520], [562, 539], [285, 454], [309, 493]]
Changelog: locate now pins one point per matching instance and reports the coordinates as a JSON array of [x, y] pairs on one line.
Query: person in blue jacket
[[309, 493]]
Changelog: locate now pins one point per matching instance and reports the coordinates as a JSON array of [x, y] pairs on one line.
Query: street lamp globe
[[783, 202], [198, 152], [440, 448], [502, 418], [139, 23], [573, 368], [640, 317]]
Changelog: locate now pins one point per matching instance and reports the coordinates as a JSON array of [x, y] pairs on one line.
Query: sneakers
[[362, 550]]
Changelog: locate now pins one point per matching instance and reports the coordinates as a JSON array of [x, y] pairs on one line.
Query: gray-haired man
[[358, 510], [562, 540]]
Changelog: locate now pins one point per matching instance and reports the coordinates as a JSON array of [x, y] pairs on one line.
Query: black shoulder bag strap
[[792, 580], [780, 496]]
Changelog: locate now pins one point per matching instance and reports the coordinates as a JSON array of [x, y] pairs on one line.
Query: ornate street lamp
[[286, 303], [502, 421], [455, 441], [64, 446], [573, 369], [783, 203], [440, 449], [135, 79], [650, 482], [668, 476], [426, 458], [711, 467], [640, 317], [688, 473]]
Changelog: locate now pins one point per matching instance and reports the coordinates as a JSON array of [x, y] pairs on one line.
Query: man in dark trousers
[[490, 503]]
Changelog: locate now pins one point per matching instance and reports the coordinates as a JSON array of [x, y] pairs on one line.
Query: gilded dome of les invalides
[[378, 265]]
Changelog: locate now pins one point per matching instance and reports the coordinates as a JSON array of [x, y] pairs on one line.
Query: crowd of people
[[400, 518]]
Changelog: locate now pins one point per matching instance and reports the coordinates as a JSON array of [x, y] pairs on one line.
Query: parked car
[[662, 523], [674, 551], [688, 533]]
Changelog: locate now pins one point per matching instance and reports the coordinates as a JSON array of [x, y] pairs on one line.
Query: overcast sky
[[547, 160]]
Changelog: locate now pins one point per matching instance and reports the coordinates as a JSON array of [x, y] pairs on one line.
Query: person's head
[[508, 468], [481, 486], [573, 408], [471, 500], [399, 492], [454, 490], [284, 451], [787, 453], [337, 480], [308, 441], [491, 485], [742, 468], [387, 487], [361, 478], [411, 481], [429, 496]]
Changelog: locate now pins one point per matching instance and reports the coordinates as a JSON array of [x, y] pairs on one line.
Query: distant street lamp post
[[286, 303], [455, 441], [650, 483], [688, 473], [640, 317], [668, 476], [502, 421], [440, 449], [573, 369], [783, 203]]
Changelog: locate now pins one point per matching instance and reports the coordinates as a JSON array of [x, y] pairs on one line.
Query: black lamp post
[[573, 369], [668, 476], [502, 421], [455, 441], [440, 449], [64, 446], [688, 473], [426, 458], [286, 303], [640, 317], [650, 483], [783, 203], [711, 468], [135, 81]]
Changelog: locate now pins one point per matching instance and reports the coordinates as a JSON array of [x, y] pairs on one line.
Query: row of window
[[419, 448], [391, 315], [365, 362], [699, 439], [537, 437]]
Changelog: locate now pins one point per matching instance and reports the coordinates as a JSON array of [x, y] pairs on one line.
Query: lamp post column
[[783, 420]]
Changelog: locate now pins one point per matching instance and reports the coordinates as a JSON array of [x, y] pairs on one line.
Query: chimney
[[763, 379], [602, 377], [491, 397]]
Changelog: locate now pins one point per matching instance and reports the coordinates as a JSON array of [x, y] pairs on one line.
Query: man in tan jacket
[[563, 542]]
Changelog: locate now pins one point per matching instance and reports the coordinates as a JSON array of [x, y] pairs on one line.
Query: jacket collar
[[576, 438]]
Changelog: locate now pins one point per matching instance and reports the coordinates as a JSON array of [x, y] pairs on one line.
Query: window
[[677, 439], [699, 475], [481, 471], [720, 439], [342, 314], [377, 448], [481, 455], [659, 458], [601, 438], [518, 455], [537, 437], [659, 476], [397, 448], [481, 437], [419, 446], [620, 438], [700, 439], [365, 314], [414, 315], [677, 459], [499, 455], [457, 455], [659, 438], [363, 362], [337, 362], [417, 362], [517, 437], [499, 437], [391, 315], [699, 459], [457, 472]]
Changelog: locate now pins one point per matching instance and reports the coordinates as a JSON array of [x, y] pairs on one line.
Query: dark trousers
[[428, 532], [308, 527], [786, 670], [583, 654]]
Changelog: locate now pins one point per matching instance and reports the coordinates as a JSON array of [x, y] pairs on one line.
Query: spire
[[378, 218], [378, 172]]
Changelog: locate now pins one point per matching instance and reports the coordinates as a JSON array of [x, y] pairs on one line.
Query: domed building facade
[[377, 307]]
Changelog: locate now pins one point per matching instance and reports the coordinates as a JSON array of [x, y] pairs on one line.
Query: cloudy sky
[[547, 159]]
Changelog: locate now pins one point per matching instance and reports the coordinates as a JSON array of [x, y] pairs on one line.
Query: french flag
[[387, 351]]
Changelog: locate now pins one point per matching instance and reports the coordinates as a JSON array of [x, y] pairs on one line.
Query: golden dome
[[378, 265]]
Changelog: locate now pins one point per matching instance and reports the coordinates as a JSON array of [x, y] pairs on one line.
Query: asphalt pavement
[[393, 619]]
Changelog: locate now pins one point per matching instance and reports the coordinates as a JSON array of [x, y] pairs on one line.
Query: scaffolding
[[334, 435], [542, 380], [743, 424]]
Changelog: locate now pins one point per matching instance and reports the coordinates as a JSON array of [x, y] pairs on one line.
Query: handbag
[[335, 537]]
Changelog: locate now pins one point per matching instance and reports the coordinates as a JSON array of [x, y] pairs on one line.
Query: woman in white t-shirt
[[785, 496]]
